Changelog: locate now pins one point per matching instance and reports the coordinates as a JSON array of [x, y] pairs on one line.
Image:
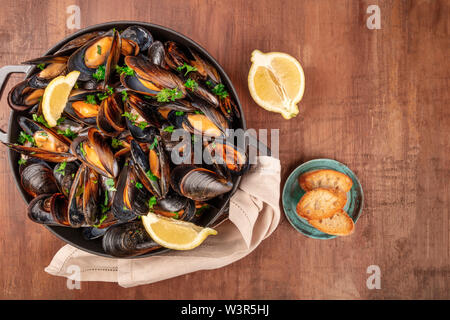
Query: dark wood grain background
[[376, 100]]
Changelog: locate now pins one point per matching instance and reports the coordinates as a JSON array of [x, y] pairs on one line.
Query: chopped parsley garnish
[[25, 137], [111, 185], [40, 119], [179, 113], [124, 70], [99, 74], [168, 129], [139, 185], [90, 98], [200, 210], [187, 67], [191, 84], [131, 117], [116, 143], [151, 176], [198, 112], [99, 49], [103, 218], [142, 125], [177, 215], [62, 168], [68, 133], [154, 143], [220, 91], [166, 95], [151, 202], [22, 161], [60, 120], [109, 90], [41, 66], [82, 149], [124, 96], [209, 83]]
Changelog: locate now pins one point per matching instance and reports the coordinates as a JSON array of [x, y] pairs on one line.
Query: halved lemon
[[175, 234], [276, 82], [56, 95]]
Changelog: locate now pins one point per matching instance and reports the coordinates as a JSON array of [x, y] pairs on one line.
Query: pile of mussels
[[108, 159]]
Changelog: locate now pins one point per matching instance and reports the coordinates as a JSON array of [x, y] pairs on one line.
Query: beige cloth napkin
[[254, 214]]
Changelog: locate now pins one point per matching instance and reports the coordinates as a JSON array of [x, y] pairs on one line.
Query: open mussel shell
[[74, 44], [23, 96], [121, 207], [142, 37], [41, 154], [37, 179], [198, 183], [142, 120], [226, 156], [175, 206], [102, 50], [75, 203], [95, 151], [200, 124], [137, 195], [79, 110], [54, 66], [64, 174], [49, 209], [47, 144], [150, 78], [128, 239], [152, 168], [109, 119], [91, 197]]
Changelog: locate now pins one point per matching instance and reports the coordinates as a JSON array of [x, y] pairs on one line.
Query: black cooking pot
[[74, 236]]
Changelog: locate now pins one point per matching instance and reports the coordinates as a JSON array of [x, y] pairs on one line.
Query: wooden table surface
[[376, 100]]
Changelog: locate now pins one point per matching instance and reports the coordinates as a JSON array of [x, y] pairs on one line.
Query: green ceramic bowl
[[292, 194]]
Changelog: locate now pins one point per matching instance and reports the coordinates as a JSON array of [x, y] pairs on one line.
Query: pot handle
[[4, 75]]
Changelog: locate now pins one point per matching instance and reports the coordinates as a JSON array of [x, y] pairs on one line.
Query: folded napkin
[[254, 214]]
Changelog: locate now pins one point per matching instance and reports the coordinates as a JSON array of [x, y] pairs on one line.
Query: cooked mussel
[[152, 168], [43, 143], [109, 119], [139, 36], [149, 78], [175, 206], [121, 207], [38, 178], [23, 96], [127, 240], [156, 53], [198, 183], [51, 67], [228, 157], [103, 50], [95, 151], [64, 173], [49, 209]]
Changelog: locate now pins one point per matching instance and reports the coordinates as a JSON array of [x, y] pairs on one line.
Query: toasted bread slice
[[339, 224], [329, 179], [320, 203]]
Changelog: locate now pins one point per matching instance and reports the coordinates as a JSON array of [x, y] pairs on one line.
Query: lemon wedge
[[276, 82], [175, 234], [56, 95]]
